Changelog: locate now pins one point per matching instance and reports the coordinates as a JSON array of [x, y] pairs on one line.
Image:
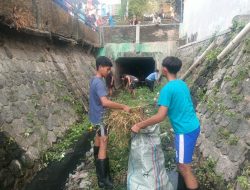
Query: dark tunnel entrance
[[139, 67]]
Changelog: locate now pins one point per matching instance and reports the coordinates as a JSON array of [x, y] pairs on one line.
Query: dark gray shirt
[[97, 90]]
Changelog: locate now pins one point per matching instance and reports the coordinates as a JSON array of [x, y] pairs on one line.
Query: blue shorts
[[184, 145]]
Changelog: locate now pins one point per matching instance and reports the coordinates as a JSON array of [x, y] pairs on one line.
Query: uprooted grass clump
[[120, 122]]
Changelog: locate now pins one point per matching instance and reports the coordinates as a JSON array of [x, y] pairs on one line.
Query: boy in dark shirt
[[98, 101]]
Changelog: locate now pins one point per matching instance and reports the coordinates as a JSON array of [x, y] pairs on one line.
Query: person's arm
[[101, 92], [129, 81], [157, 78], [159, 20], [154, 19], [127, 84], [112, 80], [113, 105], [157, 118]]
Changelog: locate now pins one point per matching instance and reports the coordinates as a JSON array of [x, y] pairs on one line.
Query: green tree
[[140, 7], [122, 11]]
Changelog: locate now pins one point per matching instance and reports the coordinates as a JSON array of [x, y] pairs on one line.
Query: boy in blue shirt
[[176, 103], [150, 80]]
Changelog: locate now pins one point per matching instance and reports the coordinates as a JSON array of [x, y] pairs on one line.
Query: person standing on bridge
[[111, 21], [150, 80], [98, 101], [175, 101], [134, 21]]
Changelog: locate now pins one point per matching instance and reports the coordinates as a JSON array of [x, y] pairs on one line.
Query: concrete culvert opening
[[139, 67]]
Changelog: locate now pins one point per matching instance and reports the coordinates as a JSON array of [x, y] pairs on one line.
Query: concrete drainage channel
[[55, 176], [72, 173]]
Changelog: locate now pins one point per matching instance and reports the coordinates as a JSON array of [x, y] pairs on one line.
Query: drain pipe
[[234, 42], [198, 61]]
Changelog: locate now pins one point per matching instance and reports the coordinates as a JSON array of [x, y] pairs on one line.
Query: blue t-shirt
[[97, 90], [153, 76], [175, 95], [111, 21]]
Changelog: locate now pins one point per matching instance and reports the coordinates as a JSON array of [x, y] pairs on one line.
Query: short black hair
[[103, 61], [173, 64]]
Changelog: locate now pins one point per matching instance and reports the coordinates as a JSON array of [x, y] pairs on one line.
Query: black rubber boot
[[181, 183], [102, 165], [96, 151]]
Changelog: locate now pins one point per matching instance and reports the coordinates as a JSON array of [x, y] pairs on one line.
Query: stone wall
[[119, 34], [46, 18], [222, 95], [147, 33], [159, 33], [190, 52], [40, 83]]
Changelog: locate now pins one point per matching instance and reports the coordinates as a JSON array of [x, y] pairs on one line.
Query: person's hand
[[135, 128], [126, 108]]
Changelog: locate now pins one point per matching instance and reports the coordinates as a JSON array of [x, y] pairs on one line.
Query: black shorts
[[133, 85], [101, 129]]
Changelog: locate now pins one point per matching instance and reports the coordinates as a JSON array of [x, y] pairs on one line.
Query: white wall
[[208, 16]]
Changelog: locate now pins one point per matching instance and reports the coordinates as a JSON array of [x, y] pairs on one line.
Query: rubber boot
[[96, 151], [181, 183], [102, 165]]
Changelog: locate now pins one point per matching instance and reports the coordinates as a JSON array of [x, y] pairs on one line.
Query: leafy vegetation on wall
[[140, 7]]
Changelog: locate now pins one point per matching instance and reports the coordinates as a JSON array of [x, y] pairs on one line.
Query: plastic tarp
[[146, 166]]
